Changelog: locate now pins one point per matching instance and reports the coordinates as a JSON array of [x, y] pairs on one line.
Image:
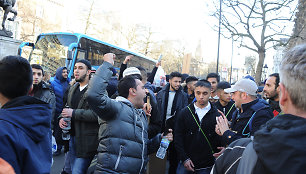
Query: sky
[[188, 21]]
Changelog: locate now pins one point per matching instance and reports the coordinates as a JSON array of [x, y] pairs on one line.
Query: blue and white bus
[[54, 50]]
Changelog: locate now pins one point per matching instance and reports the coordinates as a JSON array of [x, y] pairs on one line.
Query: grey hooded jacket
[[123, 132]]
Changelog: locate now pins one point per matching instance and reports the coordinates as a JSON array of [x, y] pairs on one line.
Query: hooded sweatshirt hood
[[280, 145], [59, 75], [31, 115]]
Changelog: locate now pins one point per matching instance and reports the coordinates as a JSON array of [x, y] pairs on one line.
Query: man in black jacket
[[214, 79], [170, 100], [279, 146], [225, 104], [41, 89], [195, 137], [84, 122], [251, 114], [189, 88]]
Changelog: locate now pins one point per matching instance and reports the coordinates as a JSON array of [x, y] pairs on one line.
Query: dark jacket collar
[[212, 108], [22, 101], [167, 88], [247, 106]]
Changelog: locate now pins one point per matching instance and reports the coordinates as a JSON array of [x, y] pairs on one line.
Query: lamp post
[[265, 68], [219, 36], [232, 59]]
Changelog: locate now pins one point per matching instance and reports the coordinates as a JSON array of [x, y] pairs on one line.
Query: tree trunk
[[259, 66]]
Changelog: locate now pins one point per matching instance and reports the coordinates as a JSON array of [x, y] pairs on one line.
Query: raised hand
[[109, 57], [127, 59]]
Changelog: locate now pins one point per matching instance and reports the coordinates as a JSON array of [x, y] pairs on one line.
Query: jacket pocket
[[119, 157]]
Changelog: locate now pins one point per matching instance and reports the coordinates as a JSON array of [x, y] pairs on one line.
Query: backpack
[[248, 160]]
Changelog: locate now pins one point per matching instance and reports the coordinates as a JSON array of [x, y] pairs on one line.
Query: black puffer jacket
[[179, 102], [123, 132]]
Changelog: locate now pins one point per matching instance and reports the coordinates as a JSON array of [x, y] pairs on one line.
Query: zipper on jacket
[[119, 156], [143, 146]]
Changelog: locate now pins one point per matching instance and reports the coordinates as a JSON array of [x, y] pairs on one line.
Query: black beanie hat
[[86, 62]]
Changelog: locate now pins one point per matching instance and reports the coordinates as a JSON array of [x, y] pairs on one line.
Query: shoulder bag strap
[[201, 130]]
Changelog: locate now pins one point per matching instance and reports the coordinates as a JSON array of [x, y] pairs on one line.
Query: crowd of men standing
[[213, 126]]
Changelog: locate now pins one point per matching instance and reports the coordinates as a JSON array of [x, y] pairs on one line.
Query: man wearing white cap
[[251, 114]]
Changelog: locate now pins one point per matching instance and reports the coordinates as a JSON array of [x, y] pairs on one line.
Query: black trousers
[[173, 158]]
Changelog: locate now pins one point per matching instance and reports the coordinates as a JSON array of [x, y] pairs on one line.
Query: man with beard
[[41, 89], [271, 92], [84, 122], [214, 79], [251, 112], [170, 100]]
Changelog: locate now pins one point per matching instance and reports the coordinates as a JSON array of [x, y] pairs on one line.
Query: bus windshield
[[51, 51]]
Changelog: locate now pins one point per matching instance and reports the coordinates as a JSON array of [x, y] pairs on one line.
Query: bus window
[[81, 54], [90, 56]]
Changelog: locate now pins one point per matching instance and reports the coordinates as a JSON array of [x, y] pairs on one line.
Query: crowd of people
[[116, 121]]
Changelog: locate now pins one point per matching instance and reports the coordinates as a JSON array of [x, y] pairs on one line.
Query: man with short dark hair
[[214, 79], [124, 143], [271, 92], [251, 112], [195, 137], [225, 104], [84, 122], [189, 88], [170, 100], [25, 134], [279, 146], [41, 89]]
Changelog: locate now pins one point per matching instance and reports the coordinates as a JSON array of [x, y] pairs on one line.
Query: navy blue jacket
[[59, 86], [245, 124], [279, 145], [25, 135]]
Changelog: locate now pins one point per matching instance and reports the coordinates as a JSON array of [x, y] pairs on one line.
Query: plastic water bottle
[[161, 153], [54, 145], [66, 134]]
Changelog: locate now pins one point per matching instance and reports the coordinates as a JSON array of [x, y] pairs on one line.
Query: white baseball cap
[[243, 85]]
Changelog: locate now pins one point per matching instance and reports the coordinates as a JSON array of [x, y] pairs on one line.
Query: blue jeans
[[78, 165], [182, 170]]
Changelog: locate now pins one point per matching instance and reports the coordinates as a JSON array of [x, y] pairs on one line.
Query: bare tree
[[250, 63], [34, 20], [257, 24], [147, 40], [88, 23]]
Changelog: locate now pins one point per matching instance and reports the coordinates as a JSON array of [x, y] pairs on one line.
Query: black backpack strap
[[248, 160]]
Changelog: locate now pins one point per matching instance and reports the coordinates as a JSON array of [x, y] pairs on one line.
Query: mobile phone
[[160, 57], [148, 103]]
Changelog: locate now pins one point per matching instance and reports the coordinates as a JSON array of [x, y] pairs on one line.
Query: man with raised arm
[[123, 135]]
